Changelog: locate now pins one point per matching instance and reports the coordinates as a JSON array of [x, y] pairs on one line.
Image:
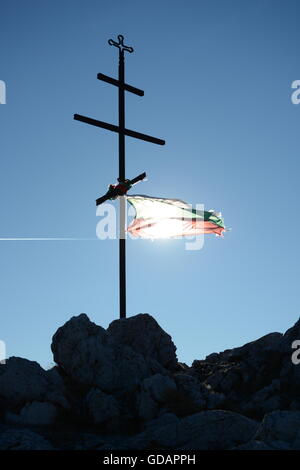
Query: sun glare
[[164, 229]]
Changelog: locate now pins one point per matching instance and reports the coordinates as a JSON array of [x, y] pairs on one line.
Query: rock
[[253, 445], [101, 407], [193, 389], [144, 335], [14, 439], [91, 358], [280, 445], [182, 367], [88, 441], [214, 430], [35, 414], [154, 393], [128, 381], [213, 357], [54, 376], [189, 397], [23, 381], [147, 407], [112, 446], [295, 405], [162, 432], [227, 379], [82, 350], [138, 442], [38, 414], [280, 427], [215, 401], [158, 386], [130, 368], [265, 400], [245, 376], [254, 351], [206, 430], [201, 395]]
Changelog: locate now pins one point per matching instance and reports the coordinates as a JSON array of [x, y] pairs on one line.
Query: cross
[[120, 44], [124, 184]]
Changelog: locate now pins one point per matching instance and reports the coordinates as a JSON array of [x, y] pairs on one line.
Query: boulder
[[226, 379], [210, 430], [101, 407], [247, 378], [34, 414], [265, 400], [162, 431], [138, 442], [280, 429], [144, 335], [127, 378], [91, 358], [23, 381], [158, 386], [87, 441], [215, 401], [153, 394], [82, 350], [206, 430], [253, 445], [17, 439], [193, 389], [254, 351], [147, 407]]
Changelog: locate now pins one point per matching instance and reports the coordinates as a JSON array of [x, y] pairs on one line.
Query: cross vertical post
[[122, 219]]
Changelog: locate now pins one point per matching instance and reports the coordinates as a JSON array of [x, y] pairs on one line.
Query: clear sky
[[217, 78]]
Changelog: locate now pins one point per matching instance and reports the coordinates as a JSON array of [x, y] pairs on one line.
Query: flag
[[167, 218]]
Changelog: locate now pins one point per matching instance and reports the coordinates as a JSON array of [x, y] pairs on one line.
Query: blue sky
[[217, 78]]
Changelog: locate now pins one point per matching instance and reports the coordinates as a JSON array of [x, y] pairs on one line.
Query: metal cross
[[122, 131]]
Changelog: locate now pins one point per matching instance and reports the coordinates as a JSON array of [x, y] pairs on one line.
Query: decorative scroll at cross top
[[120, 44]]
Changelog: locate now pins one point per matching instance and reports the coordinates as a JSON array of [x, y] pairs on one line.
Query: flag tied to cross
[[169, 218]]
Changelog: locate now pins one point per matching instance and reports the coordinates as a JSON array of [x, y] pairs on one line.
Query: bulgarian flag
[[167, 218]]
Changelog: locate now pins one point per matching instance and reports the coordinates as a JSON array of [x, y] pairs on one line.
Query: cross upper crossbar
[[113, 81]]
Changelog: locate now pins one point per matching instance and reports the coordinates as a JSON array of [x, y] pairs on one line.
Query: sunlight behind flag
[[171, 218]]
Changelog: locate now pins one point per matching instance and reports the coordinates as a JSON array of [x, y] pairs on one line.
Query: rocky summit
[[123, 388]]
